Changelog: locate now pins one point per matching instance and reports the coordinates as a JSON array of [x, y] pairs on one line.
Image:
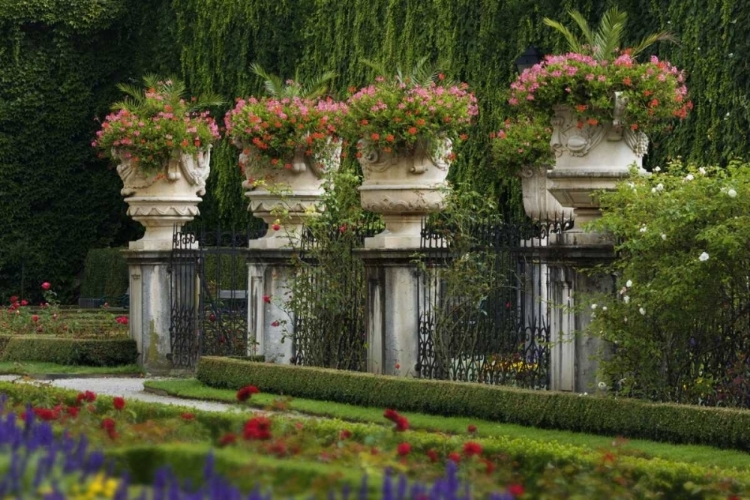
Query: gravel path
[[129, 388]]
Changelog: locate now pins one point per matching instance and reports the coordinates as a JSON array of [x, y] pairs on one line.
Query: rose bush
[[679, 322]]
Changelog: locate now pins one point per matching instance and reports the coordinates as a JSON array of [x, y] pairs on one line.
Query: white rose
[[703, 257], [732, 193]]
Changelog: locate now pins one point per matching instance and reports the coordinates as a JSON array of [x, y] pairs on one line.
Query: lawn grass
[[694, 454], [34, 368]]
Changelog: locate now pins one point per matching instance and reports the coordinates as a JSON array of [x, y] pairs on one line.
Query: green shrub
[[105, 273], [719, 427], [68, 351], [680, 320]]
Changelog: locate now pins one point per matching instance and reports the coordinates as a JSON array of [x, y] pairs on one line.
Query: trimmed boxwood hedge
[[68, 351], [720, 427]]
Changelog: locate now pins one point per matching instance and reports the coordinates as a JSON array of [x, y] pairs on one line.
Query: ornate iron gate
[[329, 315], [483, 314], [209, 294]]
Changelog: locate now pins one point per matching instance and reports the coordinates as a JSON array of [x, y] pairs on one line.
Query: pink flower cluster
[[655, 91], [163, 126], [393, 115], [276, 129]]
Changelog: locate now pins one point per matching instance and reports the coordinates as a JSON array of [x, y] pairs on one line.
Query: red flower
[[46, 285], [454, 457], [275, 323], [403, 449], [516, 489], [433, 455], [375, 136], [35, 318], [13, 299], [413, 130], [390, 138], [489, 466], [472, 428], [123, 320], [257, 428], [267, 299], [45, 414], [345, 434], [402, 424], [187, 416], [246, 392], [24, 302], [88, 397], [108, 424], [118, 402], [275, 227], [72, 411], [227, 439], [472, 448], [390, 414]]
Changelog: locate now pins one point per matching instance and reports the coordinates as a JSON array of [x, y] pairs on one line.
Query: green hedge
[[68, 351], [105, 273], [720, 427]]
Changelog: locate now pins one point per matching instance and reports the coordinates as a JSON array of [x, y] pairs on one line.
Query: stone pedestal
[[574, 356], [392, 311], [270, 327], [150, 308]]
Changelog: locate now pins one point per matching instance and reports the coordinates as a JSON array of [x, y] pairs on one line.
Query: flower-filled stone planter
[[403, 187], [405, 132], [161, 143], [164, 199], [287, 147], [600, 111]]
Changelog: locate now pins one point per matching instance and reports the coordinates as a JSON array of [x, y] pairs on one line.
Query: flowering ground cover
[[295, 455], [696, 454]]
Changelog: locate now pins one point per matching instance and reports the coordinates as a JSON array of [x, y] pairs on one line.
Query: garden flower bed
[[304, 456]]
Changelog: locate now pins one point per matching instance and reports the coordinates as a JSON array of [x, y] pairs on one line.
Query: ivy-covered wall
[[60, 61]]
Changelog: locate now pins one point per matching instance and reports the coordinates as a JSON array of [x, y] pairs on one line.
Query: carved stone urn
[[404, 188], [589, 159], [284, 196], [165, 198], [538, 202]]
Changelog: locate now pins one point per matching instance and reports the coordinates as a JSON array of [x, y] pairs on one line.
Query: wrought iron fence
[[483, 313], [329, 298]]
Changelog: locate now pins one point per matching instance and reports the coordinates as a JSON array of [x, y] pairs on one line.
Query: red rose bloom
[[472, 429], [118, 402], [46, 285], [472, 448], [246, 392], [258, 428], [345, 434], [516, 489], [403, 449], [187, 416], [227, 439], [433, 455], [108, 424], [454, 457], [402, 424]]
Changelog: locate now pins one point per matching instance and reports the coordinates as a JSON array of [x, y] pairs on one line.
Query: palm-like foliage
[[421, 73], [276, 87], [603, 43], [171, 89]]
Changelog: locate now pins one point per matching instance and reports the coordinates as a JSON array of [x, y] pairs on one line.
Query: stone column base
[[392, 311], [270, 327], [150, 308]]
